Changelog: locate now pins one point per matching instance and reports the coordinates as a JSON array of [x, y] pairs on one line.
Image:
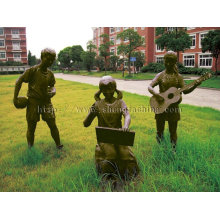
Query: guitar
[[173, 95]]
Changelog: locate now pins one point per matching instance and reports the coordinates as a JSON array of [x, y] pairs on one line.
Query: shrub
[[153, 67]]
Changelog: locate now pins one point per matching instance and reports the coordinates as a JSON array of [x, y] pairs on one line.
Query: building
[[192, 57], [13, 46]]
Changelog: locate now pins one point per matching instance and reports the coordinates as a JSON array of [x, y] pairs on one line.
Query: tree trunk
[[105, 65], [178, 54], [129, 64], [216, 66]]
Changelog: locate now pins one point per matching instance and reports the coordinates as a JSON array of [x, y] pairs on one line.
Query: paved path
[[199, 97]]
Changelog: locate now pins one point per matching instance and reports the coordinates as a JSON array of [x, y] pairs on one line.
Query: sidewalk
[[199, 97]]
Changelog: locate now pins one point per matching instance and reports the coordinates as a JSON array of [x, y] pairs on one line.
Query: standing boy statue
[[40, 91]]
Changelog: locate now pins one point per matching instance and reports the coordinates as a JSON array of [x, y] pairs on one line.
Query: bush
[[153, 67], [193, 70]]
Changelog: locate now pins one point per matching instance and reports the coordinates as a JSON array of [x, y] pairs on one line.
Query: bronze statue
[[112, 160], [169, 81], [40, 91]]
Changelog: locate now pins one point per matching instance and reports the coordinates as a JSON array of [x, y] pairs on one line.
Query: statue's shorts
[[36, 107]]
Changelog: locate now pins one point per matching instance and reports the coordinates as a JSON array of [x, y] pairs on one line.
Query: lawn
[[196, 166], [210, 83]]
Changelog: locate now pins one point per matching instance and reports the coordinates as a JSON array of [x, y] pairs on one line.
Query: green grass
[[210, 83], [196, 166]]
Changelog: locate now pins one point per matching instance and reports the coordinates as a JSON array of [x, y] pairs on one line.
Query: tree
[[64, 57], [211, 43], [122, 50], [114, 62], [140, 59], [175, 39], [134, 41], [88, 57], [99, 62], [75, 55], [104, 48], [32, 60]]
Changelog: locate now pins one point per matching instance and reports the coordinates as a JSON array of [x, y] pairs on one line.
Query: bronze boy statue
[[112, 159], [167, 79], [40, 91]]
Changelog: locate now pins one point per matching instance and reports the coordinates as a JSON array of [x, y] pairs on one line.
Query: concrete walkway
[[199, 97]]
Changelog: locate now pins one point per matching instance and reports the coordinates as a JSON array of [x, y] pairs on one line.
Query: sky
[[58, 24]]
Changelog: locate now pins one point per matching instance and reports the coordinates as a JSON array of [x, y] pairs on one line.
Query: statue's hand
[[159, 97], [51, 91], [125, 128]]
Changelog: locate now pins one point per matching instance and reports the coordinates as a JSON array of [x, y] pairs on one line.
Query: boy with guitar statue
[[166, 103]]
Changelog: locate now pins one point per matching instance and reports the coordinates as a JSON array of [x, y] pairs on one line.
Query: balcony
[[19, 37], [16, 48]]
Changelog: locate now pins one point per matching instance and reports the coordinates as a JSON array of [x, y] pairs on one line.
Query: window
[[158, 48], [112, 51], [15, 31], [125, 28], [1, 31], [2, 55], [135, 28], [193, 41], [118, 29], [205, 60], [142, 28], [118, 41], [17, 56], [112, 30], [2, 43], [190, 28], [112, 39], [189, 60], [159, 59], [126, 39], [170, 29], [16, 45], [202, 36]]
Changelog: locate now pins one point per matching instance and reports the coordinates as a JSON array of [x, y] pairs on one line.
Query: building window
[[170, 29], [113, 40], [17, 56], [205, 60], [16, 45], [112, 30], [142, 28], [125, 28], [15, 31], [159, 59], [2, 43], [189, 60], [158, 48], [2, 55], [190, 28], [135, 28], [118, 41], [112, 51], [201, 36], [118, 29], [193, 41], [1, 31], [102, 30], [126, 40]]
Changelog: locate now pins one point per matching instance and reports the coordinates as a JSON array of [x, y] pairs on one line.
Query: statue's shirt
[[38, 82]]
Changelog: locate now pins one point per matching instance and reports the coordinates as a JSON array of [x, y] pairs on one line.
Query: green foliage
[[88, 57], [134, 41], [11, 63], [100, 63], [114, 62], [211, 43], [64, 57], [176, 40], [32, 60], [153, 67], [140, 59]]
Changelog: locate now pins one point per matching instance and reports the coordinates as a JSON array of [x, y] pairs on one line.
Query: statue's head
[[48, 56], [107, 86], [170, 60]]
